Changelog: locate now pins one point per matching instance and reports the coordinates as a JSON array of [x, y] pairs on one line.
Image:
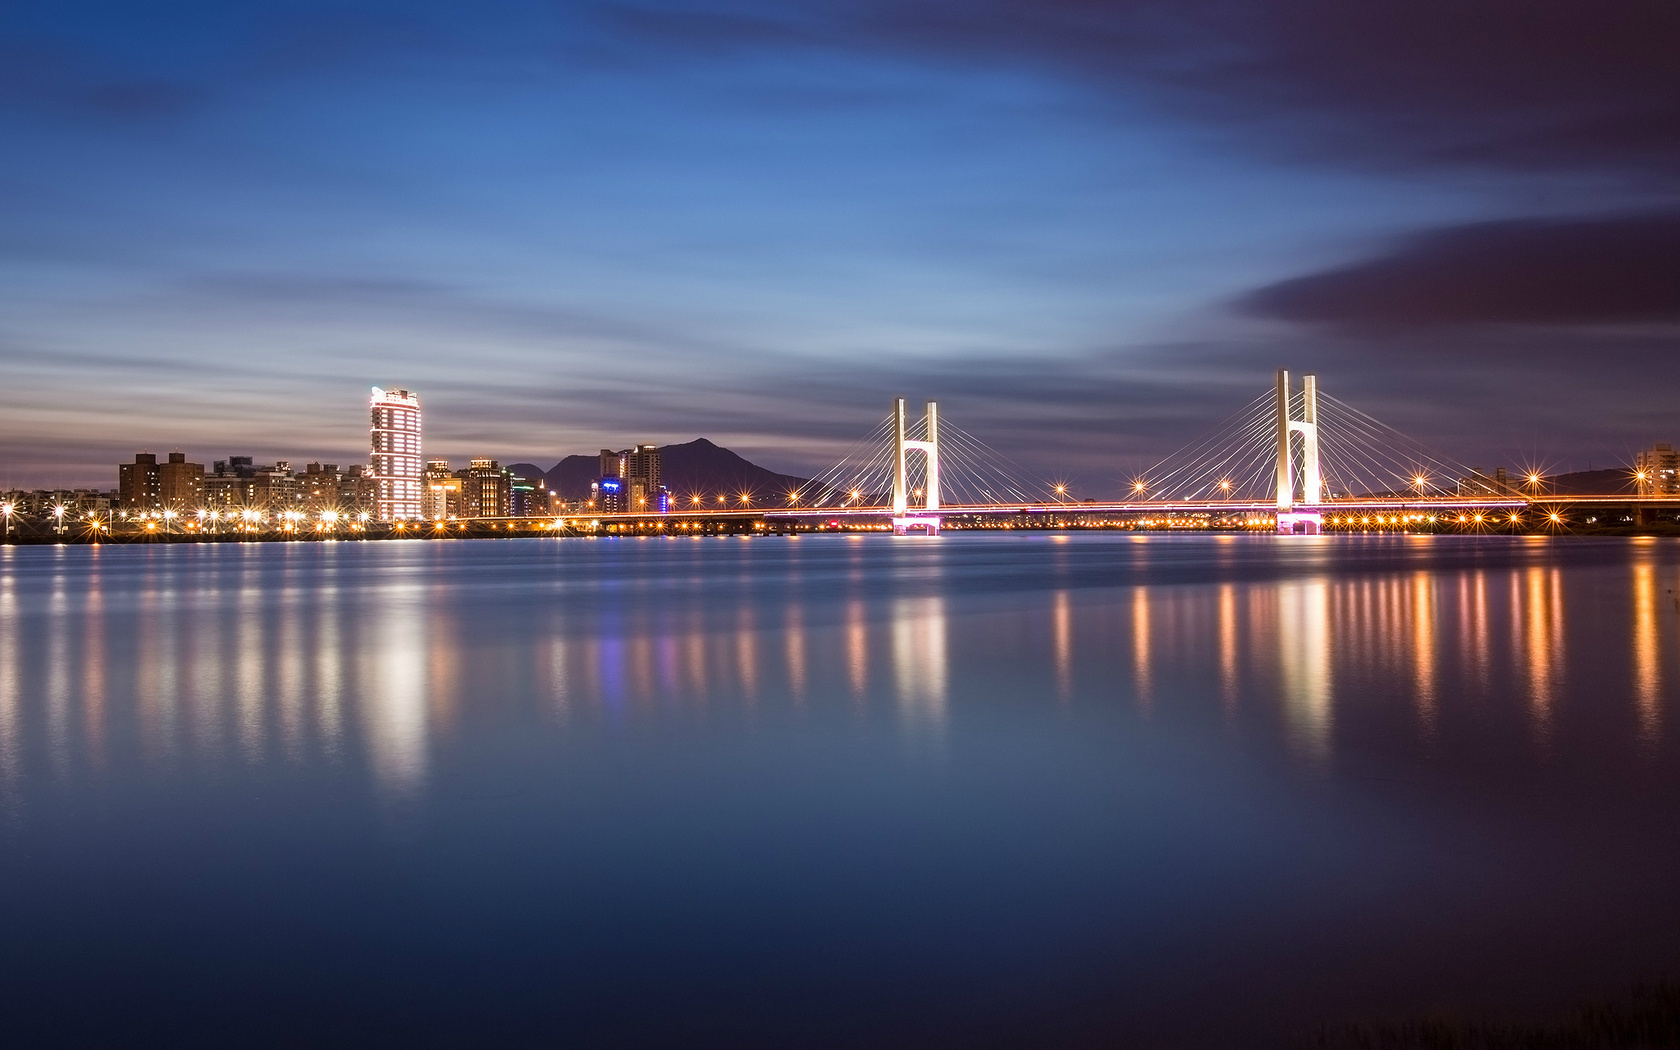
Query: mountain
[[697, 467], [572, 475]]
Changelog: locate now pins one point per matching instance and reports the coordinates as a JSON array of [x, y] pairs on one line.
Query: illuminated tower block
[[394, 458]]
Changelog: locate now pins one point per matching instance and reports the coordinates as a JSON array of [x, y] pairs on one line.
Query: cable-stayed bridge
[[1294, 456], [1294, 459]]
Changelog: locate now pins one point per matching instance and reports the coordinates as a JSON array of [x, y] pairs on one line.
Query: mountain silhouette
[[699, 467]]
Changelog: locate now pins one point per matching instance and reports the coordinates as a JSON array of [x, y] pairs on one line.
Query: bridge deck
[[1218, 508]]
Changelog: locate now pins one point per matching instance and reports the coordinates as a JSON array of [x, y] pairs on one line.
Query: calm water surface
[[982, 790]]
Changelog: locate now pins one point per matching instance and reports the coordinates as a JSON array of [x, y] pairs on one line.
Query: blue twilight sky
[[1091, 230]]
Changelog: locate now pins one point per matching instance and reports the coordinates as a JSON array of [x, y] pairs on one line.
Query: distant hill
[[697, 466]]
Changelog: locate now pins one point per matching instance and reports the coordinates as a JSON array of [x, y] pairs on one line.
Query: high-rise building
[[1656, 470], [640, 472], [395, 454], [612, 463], [181, 484], [139, 485], [484, 490]]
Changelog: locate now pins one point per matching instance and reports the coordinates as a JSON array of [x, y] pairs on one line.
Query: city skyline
[[1092, 228]]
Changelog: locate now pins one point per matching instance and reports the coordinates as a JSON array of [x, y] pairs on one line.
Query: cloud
[[1617, 270], [1533, 85]]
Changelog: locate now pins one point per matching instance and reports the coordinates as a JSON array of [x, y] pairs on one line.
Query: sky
[[1091, 230]]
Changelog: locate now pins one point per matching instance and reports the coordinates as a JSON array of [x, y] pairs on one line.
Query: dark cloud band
[[1617, 270]]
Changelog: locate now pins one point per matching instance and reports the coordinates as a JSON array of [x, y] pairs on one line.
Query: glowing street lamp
[[6, 512], [58, 513]]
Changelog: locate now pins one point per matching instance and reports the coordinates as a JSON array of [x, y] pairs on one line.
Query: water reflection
[[1422, 615], [1647, 652], [394, 714], [1228, 647], [195, 659], [1303, 639], [1061, 642], [919, 655], [857, 647], [1537, 641], [1141, 656], [11, 677], [793, 648]]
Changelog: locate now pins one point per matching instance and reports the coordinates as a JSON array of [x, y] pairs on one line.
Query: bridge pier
[[1300, 523], [1306, 521], [904, 520]]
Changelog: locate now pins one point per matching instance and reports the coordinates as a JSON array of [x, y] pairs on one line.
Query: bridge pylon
[[906, 519], [1301, 518]]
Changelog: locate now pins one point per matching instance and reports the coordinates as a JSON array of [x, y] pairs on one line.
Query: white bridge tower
[[904, 518], [1301, 518]]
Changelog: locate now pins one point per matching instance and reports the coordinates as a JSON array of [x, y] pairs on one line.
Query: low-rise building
[[441, 497], [1656, 470]]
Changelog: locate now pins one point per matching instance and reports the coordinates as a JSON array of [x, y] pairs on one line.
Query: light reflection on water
[[1049, 671], [225, 664]]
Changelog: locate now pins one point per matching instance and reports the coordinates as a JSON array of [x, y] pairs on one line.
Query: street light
[[58, 513], [6, 510]]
